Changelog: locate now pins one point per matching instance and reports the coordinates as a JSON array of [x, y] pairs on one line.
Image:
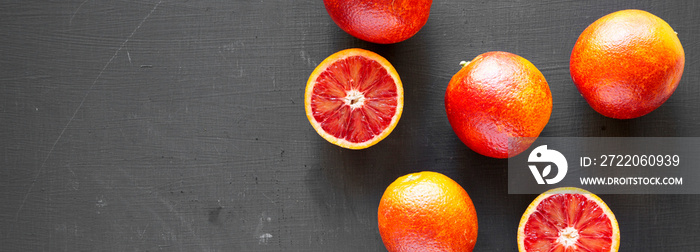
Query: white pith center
[[354, 99], [568, 236]]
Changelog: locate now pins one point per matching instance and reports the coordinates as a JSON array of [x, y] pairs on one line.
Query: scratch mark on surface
[[264, 238], [271, 201], [94, 82], [70, 21], [261, 223], [101, 201], [238, 64], [306, 57], [140, 233]]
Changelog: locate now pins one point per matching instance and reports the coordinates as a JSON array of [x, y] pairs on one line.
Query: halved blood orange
[[354, 98], [568, 219]]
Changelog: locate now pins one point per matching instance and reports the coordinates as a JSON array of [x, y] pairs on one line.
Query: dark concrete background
[[179, 125]]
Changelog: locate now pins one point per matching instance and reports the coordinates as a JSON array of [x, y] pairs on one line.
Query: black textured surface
[[179, 125]]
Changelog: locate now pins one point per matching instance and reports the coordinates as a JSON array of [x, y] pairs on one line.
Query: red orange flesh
[[354, 98], [568, 219]]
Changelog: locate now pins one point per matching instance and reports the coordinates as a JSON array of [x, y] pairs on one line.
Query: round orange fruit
[[354, 98], [627, 63], [380, 21], [426, 212], [568, 219], [498, 104]]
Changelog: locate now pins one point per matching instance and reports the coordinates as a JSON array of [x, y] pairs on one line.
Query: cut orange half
[[568, 219], [354, 98]]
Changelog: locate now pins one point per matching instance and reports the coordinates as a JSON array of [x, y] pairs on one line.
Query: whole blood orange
[[380, 21], [627, 63], [498, 104], [568, 219], [427, 212], [354, 98]]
